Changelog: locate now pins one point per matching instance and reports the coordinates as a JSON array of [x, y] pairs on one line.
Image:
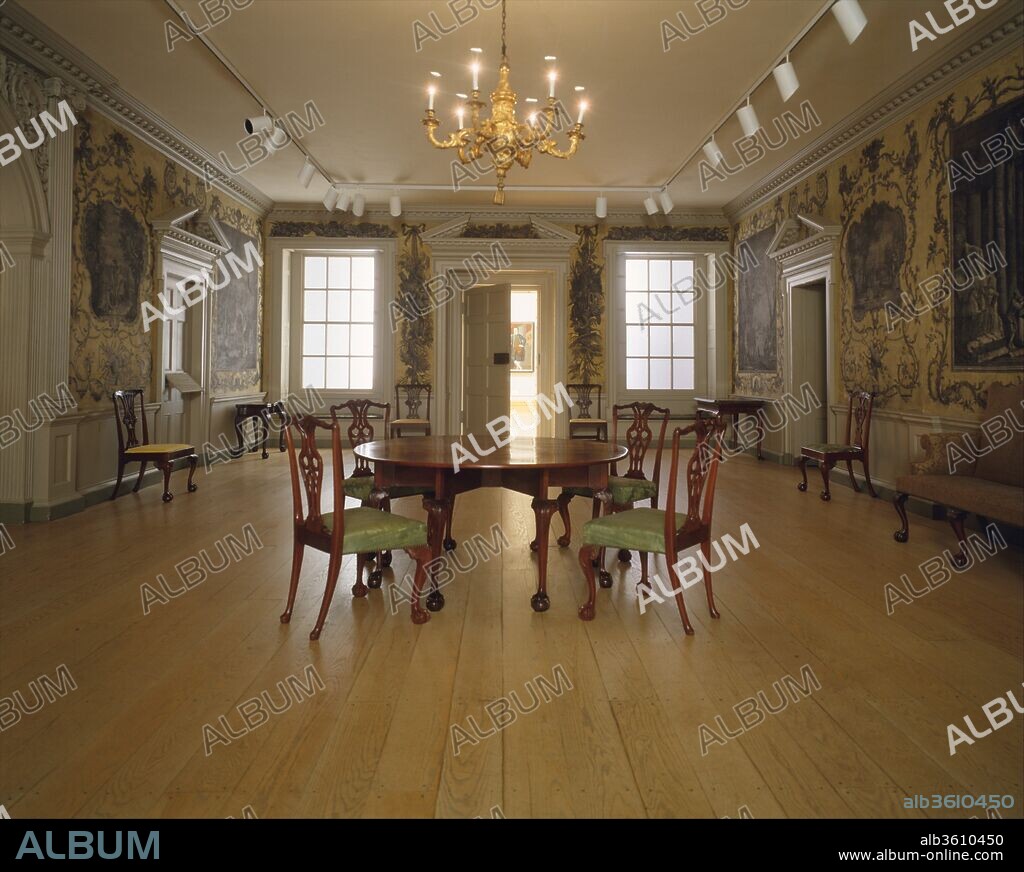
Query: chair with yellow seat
[[662, 532], [631, 488], [131, 450], [342, 531], [410, 398], [587, 424]]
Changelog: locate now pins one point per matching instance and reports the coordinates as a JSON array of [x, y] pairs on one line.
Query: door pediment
[[466, 235]]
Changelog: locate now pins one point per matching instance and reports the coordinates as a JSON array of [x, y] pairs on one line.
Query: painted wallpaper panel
[[120, 185], [905, 292]]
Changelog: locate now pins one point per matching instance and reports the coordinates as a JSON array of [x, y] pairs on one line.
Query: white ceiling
[[356, 59]]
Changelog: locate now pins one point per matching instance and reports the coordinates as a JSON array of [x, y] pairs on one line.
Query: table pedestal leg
[[437, 515], [543, 509]]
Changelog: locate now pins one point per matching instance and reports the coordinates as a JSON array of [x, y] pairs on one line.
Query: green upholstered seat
[[830, 448], [623, 490], [358, 487], [634, 529], [369, 529]]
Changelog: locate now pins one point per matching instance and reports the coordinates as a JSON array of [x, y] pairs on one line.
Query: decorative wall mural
[[417, 337], [876, 249], [120, 184], [338, 229], [500, 231], [988, 207], [997, 88], [756, 305], [878, 192], [669, 234], [236, 311], [586, 309], [114, 245]]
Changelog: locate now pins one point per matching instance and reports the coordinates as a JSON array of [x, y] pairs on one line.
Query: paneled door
[[487, 356], [809, 362]]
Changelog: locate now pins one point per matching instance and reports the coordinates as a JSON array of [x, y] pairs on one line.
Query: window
[[660, 341], [339, 297]]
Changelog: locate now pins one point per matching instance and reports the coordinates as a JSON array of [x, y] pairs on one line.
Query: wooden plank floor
[[377, 740]]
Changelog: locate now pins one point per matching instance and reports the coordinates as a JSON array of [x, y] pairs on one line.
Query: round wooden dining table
[[526, 465]]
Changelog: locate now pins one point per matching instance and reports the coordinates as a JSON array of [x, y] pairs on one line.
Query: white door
[[182, 354], [487, 356], [809, 364]]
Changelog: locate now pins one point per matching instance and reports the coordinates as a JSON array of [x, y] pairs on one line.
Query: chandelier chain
[[503, 54]]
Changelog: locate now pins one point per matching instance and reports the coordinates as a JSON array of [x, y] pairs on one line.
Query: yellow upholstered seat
[[159, 448], [409, 422]]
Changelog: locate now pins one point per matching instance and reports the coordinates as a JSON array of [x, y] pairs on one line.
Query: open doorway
[[523, 381], [810, 361]]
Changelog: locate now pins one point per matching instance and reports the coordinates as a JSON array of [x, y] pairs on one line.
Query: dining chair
[[359, 485], [131, 450], [854, 446], [631, 488], [342, 531], [409, 399], [661, 532], [584, 397]]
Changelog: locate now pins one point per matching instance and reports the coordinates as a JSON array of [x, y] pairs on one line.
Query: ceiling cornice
[[559, 215], [964, 57], [29, 40]]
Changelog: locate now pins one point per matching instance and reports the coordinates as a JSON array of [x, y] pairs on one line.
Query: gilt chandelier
[[501, 137]]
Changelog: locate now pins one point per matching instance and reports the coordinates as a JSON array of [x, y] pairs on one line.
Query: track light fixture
[[601, 207], [359, 205], [344, 201], [396, 205], [259, 124], [666, 202], [331, 198], [713, 152], [786, 79], [650, 205], [851, 19], [306, 173], [276, 138], [748, 119]]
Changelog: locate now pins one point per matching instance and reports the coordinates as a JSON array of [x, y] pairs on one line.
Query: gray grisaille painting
[[114, 245], [876, 249], [236, 310], [755, 316]]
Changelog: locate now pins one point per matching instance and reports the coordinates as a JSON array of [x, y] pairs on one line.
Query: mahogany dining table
[[526, 465]]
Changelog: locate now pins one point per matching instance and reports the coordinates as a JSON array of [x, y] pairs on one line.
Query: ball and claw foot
[[435, 601], [900, 536], [801, 486], [419, 616], [192, 488], [825, 497], [376, 577], [624, 556], [449, 544], [604, 578], [533, 545], [586, 612], [540, 602], [167, 497], [960, 559], [359, 589], [314, 635], [386, 559], [286, 617], [563, 541]]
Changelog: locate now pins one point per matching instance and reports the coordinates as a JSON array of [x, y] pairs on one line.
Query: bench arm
[[936, 454]]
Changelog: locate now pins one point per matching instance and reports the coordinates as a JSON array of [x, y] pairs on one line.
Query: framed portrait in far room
[[522, 346]]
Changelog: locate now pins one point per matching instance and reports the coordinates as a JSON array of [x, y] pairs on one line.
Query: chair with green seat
[[662, 532], [343, 531], [359, 485], [631, 488]]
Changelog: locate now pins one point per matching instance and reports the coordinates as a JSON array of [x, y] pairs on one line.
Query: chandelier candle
[[501, 136]]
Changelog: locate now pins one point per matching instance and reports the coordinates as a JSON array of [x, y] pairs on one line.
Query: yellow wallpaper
[[120, 185], [891, 198]]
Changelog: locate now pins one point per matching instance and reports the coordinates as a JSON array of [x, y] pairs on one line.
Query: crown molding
[[27, 39], [963, 58], [503, 214]]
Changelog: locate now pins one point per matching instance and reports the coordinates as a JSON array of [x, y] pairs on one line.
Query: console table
[[733, 407]]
